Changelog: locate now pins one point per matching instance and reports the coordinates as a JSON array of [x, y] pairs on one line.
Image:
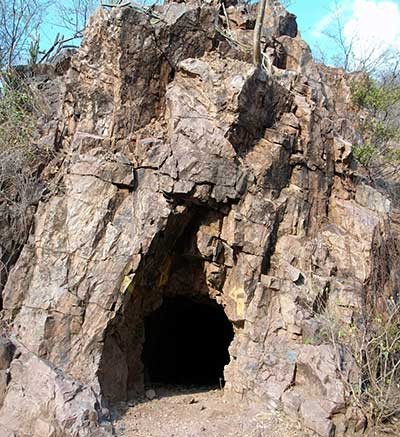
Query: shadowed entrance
[[186, 342], [170, 330]]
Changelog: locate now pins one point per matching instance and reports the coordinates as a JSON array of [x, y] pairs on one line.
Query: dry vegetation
[[374, 346], [21, 159]]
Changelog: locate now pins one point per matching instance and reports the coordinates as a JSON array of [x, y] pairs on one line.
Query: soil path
[[199, 413]]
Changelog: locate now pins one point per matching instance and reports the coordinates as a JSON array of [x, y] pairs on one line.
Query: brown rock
[[3, 385], [189, 173], [316, 418], [6, 353], [52, 405]]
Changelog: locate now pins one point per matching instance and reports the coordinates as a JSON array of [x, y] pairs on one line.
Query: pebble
[[105, 412], [150, 394]]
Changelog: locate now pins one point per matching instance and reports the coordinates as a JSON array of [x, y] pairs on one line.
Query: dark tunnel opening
[[186, 343]]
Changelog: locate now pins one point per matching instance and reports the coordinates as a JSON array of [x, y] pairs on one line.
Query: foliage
[[378, 105], [365, 154], [17, 118], [375, 97]]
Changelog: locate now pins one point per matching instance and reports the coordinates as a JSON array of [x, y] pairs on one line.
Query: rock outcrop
[[184, 169]]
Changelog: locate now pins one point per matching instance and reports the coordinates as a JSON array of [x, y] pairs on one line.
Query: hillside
[[208, 227]]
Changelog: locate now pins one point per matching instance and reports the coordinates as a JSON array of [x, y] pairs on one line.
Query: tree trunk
[[257, 32]]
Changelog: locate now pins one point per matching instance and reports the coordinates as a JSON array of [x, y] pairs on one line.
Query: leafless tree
[[73, 19], [344, 49], [19, 21], [75, 15]]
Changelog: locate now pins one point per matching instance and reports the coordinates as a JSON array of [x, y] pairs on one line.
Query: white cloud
[[374, 26], [325, 22]]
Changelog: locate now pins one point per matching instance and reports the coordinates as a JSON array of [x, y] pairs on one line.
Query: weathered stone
[[188, 172], [52, 403], [3, 385], [6, 353], [150, 394], [316, 419], [291, 403], [370, 198]]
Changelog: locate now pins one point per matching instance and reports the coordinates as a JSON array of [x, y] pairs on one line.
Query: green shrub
[[376, 98], [378, 104], [365, 154], [18, 116]]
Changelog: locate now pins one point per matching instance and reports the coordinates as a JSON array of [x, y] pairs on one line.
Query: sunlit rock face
[[185, 171]]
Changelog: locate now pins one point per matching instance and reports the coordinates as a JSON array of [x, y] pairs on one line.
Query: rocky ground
[[198, 412]]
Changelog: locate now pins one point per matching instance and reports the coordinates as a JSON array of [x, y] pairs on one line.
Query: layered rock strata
[[184, 169]]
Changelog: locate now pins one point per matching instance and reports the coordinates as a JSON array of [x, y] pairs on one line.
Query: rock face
[[185, 170]]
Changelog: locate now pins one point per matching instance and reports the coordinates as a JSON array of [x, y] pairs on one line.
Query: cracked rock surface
[[183, 166]]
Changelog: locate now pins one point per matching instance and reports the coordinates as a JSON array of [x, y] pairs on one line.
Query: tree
[[375, 94], [378, 102], [75, 14], [73, 19], [346, 48], [344, 55], [19, 21], [257, 56]]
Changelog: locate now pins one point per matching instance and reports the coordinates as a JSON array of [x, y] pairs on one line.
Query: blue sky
[[371, 25], [309, 12]]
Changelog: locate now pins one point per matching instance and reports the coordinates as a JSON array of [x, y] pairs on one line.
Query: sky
[[372, 26]]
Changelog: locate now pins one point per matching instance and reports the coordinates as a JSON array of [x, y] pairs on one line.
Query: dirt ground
[[186, 412]]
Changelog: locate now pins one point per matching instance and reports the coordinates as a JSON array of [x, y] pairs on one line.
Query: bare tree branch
[[75, 14], [19, 21]]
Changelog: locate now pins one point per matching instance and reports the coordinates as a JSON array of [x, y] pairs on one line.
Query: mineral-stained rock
[[3, 385], [6, 353], [185, 170], [42, 402], [7, 350]]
